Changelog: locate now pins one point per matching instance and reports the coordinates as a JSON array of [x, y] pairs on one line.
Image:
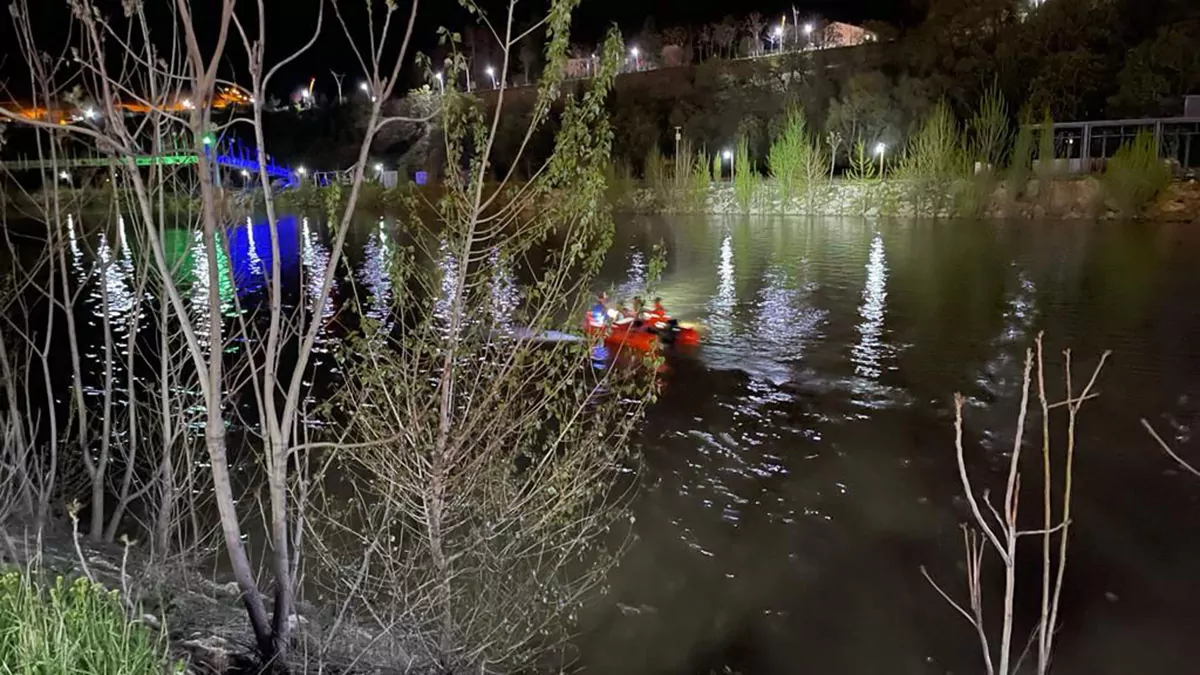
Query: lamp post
[[637, 61], [727, 156], [441, 83], [492, 74], [880, 149], [779, 38], [808, 29]]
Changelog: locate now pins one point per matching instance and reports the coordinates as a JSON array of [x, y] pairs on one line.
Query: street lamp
[[637, 61], [301, 171], [379, 167], [89, 112], [808, 29], [880, 149], [364, 87], [441, 83], [492, 74], [779, 36], [245, 173], [186, 103]]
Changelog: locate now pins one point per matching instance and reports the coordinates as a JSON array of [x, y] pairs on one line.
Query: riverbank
[[200, 614], [1065, 199]]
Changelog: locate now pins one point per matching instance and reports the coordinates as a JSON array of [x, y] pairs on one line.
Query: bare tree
[[704, 40], [755, 23], [1000, 531]]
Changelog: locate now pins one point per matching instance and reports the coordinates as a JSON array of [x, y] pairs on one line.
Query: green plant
[[718, 168], [990, 133], [745, 178], [70, 628], [700, 181], [788, 157], [1020, 165], [862, 164], [1047, 166], [933, 160], [1135, 175]]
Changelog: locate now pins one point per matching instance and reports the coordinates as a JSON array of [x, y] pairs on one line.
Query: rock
[[295, 621], [211, 653], [151, 621]]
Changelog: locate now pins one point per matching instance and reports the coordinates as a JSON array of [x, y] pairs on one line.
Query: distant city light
[[186, 103]]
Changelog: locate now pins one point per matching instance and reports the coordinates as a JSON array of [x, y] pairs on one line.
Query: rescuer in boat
[[598, 315]]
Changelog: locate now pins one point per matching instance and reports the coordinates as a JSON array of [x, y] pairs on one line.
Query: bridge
[[236, 157]]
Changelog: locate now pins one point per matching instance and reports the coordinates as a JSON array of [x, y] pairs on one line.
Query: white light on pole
[[492, 74], [379, 167], [808, 28], [441, 83], [363, 86], [637, 60], [779, 36], [880, 149], [727, 155], [245, 173], [301, 171]]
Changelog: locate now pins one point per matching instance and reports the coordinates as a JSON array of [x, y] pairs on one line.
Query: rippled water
[[800, 463]]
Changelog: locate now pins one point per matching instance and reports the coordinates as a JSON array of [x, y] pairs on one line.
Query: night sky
[[291, 22]]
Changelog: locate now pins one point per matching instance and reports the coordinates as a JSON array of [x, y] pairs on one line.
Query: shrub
[[745, 178], [788, 156], [934, 159], [700, 181], [71, 628], [1135, 175]]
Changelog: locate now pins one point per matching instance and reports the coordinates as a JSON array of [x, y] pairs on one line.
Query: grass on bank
[[71, 628]]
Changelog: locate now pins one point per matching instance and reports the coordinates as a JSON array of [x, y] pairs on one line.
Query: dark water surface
[[801, 463]]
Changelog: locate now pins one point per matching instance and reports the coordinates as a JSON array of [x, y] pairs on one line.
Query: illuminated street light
[[379, 168], [492, 74], [89, 113], [363, 86], [441, 83], [727, 155], [301, 171], [245, 173], [186, 103], [880, 149], [637, 59], [808, 28], [64, 176]]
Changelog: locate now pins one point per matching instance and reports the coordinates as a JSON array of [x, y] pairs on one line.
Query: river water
[[800, 464]]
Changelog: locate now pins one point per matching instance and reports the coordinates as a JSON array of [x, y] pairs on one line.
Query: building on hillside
[[838, 34]]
